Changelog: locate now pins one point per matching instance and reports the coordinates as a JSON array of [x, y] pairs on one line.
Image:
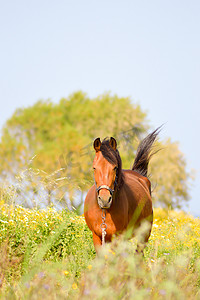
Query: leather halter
[[104, 186]]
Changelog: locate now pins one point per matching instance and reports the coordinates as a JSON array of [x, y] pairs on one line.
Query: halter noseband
[[106, 187]]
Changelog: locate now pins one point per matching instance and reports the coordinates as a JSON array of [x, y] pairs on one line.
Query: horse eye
[[115, 168], [94, 168]]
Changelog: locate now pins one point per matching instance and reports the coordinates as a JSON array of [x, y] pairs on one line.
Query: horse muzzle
[[104, 203]]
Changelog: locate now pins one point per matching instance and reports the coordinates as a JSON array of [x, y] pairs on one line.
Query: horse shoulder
[[90, 197], [90, 206]]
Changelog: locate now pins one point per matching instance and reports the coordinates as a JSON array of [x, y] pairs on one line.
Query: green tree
[[170, 180], [49, 147]]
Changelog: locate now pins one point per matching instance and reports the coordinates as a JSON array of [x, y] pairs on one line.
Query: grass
[[49, 254]]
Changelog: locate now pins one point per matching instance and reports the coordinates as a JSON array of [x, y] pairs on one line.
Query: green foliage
[[44, 235], [119, 274], [48, 254], [170, 180], [50, 146]]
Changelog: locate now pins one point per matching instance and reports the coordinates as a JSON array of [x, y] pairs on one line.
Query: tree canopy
[[48, 147]]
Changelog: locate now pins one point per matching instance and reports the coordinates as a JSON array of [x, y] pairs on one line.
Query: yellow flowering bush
[[63, 233], [50, 254], [175, 231]]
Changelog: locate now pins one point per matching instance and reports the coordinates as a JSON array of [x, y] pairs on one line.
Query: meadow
[[49, 254]]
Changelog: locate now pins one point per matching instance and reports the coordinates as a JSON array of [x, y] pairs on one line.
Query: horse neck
[[120, 179]]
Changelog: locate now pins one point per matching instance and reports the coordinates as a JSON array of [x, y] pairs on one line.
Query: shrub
[[50, 254]]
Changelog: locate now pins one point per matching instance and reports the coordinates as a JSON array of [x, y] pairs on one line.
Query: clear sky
[[149, 50]]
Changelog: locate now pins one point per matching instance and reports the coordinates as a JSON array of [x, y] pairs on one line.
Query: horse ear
[[113, 143], [97, 144]]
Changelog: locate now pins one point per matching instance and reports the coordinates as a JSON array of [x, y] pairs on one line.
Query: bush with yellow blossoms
[[49, 254]]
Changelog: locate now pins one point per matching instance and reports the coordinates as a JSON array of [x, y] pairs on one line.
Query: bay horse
[[119, 199]]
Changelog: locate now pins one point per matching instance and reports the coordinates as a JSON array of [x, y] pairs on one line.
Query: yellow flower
[[89, 267], [74, 286], [66, 273], [111, 251]]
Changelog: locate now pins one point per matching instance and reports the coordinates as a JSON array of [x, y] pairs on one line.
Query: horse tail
[[144, 153]]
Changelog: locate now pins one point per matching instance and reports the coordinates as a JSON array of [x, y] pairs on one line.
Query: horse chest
[[115, 221]]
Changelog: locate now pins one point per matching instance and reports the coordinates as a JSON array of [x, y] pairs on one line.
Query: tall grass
[[49, 254]]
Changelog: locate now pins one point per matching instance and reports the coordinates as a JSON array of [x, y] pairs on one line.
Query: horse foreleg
[[97, 242], [143, 238]]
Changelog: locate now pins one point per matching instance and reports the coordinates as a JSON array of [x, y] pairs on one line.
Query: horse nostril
[[99, 199], [109, 200]]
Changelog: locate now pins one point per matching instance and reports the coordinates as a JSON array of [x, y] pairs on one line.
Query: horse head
[[105, 167]]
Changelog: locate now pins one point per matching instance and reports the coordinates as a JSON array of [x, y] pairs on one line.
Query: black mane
[[113, 157], [143, 155]]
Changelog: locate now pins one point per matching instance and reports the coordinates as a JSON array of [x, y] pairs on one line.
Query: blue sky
[[148, 50]]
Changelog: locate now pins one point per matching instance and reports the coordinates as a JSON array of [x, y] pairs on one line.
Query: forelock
[[109, 153]]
